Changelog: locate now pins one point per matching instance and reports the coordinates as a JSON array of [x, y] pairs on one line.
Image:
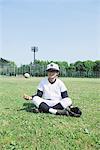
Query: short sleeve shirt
[[52, 91]]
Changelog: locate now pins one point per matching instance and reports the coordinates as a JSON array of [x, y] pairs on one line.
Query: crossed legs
[[51, 106]]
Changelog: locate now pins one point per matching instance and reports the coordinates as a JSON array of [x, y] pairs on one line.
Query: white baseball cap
[[52, 66]]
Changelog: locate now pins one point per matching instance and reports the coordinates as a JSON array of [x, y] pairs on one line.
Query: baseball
[[26, 75]]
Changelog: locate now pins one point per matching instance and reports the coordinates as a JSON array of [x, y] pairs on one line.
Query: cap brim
[[52, 69]]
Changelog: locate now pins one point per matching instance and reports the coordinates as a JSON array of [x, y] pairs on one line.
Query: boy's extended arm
[[27, 97]]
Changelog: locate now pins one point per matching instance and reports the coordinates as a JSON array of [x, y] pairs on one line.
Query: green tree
[[79, 68], [96, 67], [89, 65]]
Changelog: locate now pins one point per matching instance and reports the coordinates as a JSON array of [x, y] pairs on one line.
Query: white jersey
[[52, 91]]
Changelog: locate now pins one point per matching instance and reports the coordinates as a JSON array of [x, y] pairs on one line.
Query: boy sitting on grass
[[52, 96]]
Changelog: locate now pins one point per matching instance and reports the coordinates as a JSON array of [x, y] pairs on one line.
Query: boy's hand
[[27, 97]]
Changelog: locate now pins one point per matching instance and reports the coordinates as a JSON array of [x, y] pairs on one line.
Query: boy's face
[[52, 74]]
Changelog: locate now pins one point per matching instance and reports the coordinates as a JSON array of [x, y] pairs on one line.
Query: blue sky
[[63, 30]]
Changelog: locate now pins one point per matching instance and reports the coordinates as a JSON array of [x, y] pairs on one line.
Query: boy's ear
[[57, 73]]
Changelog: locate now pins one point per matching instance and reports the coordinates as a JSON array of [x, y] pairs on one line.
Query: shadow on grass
[[29, 107]]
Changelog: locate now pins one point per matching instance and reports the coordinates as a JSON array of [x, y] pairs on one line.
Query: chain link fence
[[38, 70]]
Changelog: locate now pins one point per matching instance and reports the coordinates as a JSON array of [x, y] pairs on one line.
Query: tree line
[[86, 68]]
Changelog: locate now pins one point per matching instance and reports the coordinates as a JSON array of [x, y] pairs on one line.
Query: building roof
[[2, 60]]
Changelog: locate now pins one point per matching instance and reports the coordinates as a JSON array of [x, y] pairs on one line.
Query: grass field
[[23, 130]]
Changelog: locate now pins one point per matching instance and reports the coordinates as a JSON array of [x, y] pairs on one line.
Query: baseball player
[[52, 96]]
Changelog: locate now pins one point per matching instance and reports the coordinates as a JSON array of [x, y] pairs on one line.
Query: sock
[[53, 111]]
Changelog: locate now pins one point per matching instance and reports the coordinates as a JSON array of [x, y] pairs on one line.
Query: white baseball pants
[[64, 102]]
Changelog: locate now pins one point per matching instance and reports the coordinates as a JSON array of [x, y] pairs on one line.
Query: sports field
[[24, 130]]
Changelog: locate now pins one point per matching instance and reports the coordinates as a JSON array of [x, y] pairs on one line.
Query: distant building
[[4, 66], [3, 62]]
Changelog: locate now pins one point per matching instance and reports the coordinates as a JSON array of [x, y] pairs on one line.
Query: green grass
[[23, 130]]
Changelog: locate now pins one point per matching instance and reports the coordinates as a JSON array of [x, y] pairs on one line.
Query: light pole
[[34, 49]]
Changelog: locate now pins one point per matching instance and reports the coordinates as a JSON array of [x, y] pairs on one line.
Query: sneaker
[[62, 112], [74, 112]]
